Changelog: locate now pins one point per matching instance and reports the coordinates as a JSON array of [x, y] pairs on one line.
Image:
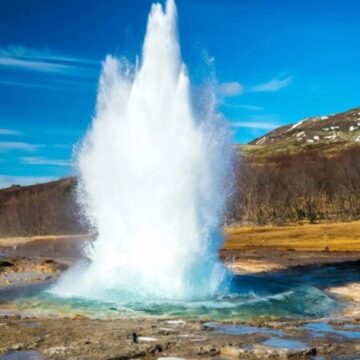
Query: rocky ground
[[78, 337], [82, 338], [22, 270], [257, 260]]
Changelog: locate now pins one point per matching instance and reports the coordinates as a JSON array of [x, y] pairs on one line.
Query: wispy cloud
[[8, 180], [44, 161], [48, 54], [6, 146], [234, 88], [26, 59], [9, 132], [258, 122], [254, 125], [35, 65], [275, 84], [243, 106], [230, 88]]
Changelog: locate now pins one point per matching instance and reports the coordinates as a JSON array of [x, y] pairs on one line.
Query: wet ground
[[292, 312], [81, 338]]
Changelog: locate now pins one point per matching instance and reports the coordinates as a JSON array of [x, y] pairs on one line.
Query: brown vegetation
[[307, 186], [319, 237], [39, 209]]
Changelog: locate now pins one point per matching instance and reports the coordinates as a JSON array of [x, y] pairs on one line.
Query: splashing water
[[153, 180]]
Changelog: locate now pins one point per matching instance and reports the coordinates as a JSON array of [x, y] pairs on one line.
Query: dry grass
[[19, 240], [335, 236]]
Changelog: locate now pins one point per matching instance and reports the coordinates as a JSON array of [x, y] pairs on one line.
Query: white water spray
[[152, 180]]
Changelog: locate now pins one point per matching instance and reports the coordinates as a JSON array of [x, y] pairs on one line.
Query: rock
[[263, 352], [135, 337], [156, 349], [146, 339], [176, 322], [18, 346], [199, 339], [79, 317], [208, 351], [56, 350], [39, 339], [166, 331], [232, 351], [6, 263]]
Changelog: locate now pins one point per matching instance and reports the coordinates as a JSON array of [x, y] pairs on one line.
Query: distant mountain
[[331, 133]]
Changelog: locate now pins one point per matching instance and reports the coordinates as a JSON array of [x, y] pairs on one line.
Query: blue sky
[[276, 62]]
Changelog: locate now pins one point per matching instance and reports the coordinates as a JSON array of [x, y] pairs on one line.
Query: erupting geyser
[[153, 178]]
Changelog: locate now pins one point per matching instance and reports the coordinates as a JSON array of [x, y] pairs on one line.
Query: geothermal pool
[[250, 298]]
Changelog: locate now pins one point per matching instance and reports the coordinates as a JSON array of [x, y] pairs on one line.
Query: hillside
[[39, 209], [329, 134], [306, 172]]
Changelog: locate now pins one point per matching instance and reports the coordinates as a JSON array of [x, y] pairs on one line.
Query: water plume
[[152, 180]]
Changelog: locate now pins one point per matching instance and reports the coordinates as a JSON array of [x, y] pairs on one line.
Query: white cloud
[[8, 180], [254, 125], [15, 145], [25, 52], [22, 58], [38, 160], [35, 65], [230, 88], [235, 88], [242, 106], [258, 122], [9, 132], [274, 84]]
